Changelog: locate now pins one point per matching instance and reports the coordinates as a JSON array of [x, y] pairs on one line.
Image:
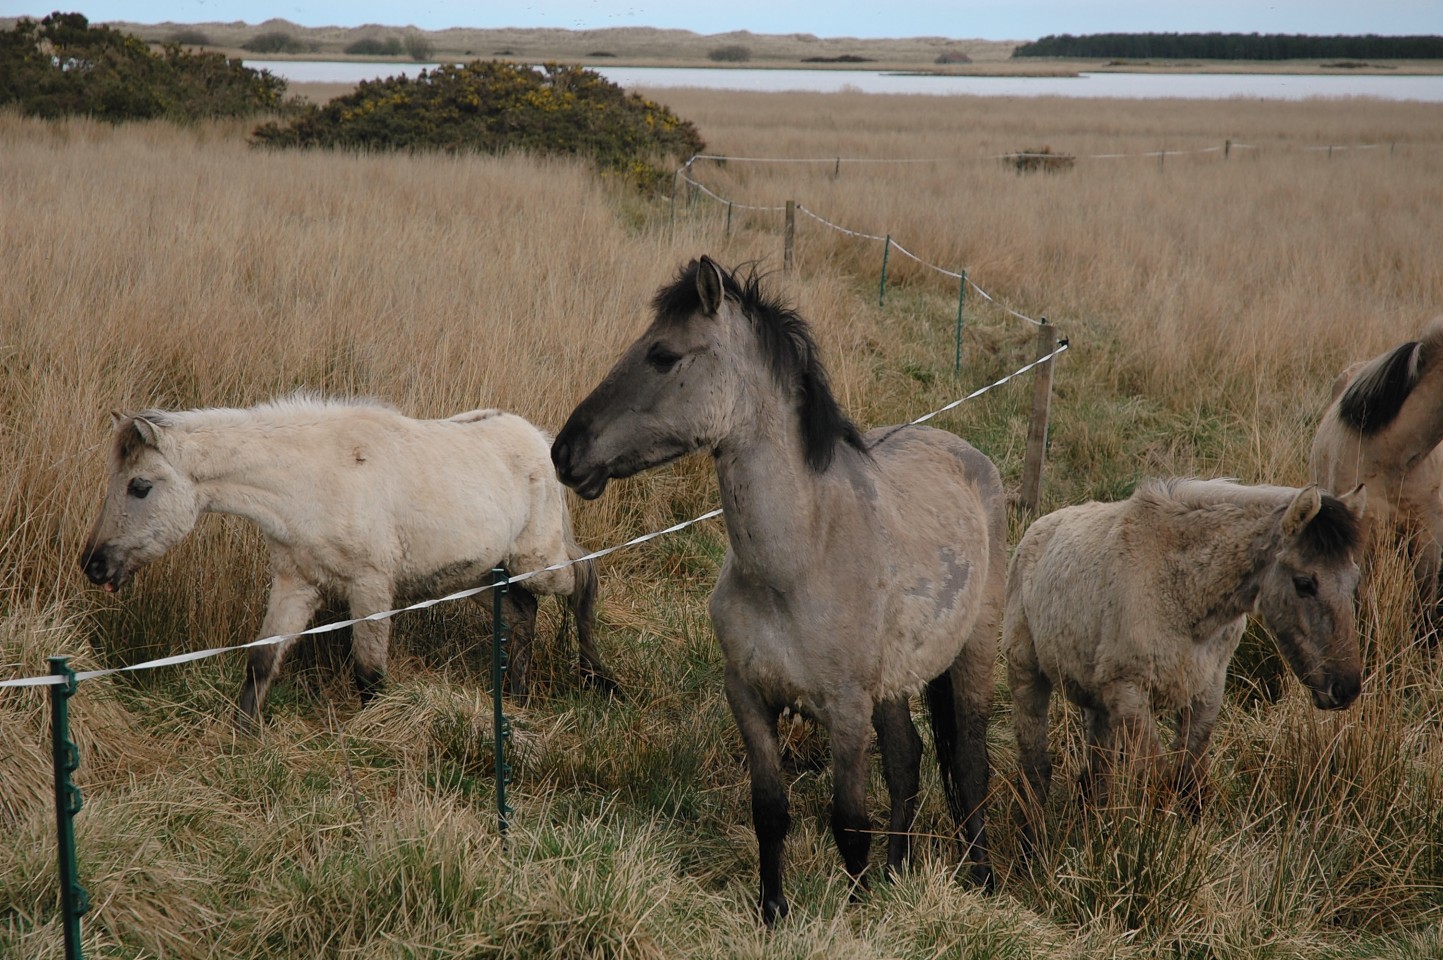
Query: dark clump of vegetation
[[190, 37], [1234, 46], [275, 41], [489, 106], [601, 53], [1040, 159], [731, 53], [844, 58], [62, 65], [953, 56], [417, 46], [375, 47]]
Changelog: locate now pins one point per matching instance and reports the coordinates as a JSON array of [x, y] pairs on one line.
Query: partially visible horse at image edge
[[1139, 605], [1383, 430], [860, 568], [355, 500]]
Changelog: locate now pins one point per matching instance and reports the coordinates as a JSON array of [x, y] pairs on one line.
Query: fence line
[[892, 244], [175, 659], [838, 161]]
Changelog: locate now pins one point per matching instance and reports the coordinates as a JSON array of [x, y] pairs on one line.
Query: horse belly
[[790, 656]]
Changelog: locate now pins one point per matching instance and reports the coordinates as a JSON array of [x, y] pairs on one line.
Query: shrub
[[490, 106], [953, 56], [274, 41], [62, 65], [732, 53], [418, 47], [1040, 158], [375, 47], [190, 38]]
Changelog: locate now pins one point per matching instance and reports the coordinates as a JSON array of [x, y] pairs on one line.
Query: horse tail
[[942, 711], [1376, 395]]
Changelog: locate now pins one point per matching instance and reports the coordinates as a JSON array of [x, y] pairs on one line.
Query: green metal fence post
[[74, 901], [729, 219], [961, 299], [882, 290], [500, 726]]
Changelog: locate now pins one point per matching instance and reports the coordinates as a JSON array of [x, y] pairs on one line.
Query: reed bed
[[1209, 303]]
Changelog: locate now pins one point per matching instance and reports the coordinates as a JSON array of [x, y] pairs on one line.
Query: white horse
[[355, 500], [1138, 605]]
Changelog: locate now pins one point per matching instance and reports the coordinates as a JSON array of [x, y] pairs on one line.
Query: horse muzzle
[[102, 569], [588, 482], [1340, 691]]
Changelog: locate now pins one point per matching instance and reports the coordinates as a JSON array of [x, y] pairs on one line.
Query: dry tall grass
[[1209, 303]]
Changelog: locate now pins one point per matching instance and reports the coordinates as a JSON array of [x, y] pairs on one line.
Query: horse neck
[[1218, 554], [1418, 427], [773, 501], [238, 468]]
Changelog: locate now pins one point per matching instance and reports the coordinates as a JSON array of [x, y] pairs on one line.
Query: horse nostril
[[1346, 690], [95, 564], [560, 451]]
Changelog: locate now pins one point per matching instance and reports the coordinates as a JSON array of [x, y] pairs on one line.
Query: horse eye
[[661, 358], [1306, 586], [138, 488]]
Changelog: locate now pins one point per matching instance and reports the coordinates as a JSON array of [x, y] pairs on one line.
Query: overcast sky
[[958, 19]]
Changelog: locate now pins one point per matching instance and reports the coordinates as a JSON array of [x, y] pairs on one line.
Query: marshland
[[1209, 300]]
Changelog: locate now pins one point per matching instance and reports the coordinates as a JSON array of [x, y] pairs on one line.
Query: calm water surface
[[1191, 86]]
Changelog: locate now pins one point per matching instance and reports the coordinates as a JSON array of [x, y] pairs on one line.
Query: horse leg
[[370, 639], [1425, 573], [583, 608], [1031, 692], [519, 611], [961, 699], [1099, 753], [851, 827], [757, 722], [901, 761], [1134, 730], [290, 606], [1194, 729]]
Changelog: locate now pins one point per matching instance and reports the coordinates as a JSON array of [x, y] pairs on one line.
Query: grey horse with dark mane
[[860, 568], [1383, 430]]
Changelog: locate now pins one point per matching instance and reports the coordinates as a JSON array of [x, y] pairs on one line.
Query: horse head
[[150, 504], [720, 353], [1306, 593]]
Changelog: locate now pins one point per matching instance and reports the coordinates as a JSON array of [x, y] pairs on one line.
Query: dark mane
[[791, 354], [1334, 531], [1373, 399]]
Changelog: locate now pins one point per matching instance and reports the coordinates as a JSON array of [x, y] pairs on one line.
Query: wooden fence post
[[1036, 452], [789, 235]]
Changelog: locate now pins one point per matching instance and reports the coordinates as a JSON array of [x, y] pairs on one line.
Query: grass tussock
[[1209, 303]]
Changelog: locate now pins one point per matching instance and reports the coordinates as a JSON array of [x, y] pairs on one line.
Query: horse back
[[943, 515]]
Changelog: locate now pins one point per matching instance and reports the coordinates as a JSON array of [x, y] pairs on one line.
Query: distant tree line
[[62, 65], [1234, 46]]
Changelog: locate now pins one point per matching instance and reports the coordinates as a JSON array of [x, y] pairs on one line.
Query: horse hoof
[[774, 910], [247, 724], [602, 684]]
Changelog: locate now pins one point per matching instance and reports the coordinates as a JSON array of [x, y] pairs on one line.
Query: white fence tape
[[51, 680]]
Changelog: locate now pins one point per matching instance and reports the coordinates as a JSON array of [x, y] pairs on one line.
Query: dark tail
[[942, 710]]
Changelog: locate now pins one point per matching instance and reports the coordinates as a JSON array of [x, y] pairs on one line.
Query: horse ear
[[1302, 510], [148, 431], [1356, 500], [709, 285]]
